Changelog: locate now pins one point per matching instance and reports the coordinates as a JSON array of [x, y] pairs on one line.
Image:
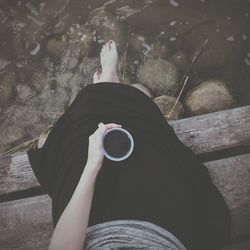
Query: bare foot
[[109, 57]]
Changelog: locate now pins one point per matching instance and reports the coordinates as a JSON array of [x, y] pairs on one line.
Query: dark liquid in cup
[[117, 143]]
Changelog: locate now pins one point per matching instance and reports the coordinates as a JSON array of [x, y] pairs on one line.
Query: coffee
[[117, 143]]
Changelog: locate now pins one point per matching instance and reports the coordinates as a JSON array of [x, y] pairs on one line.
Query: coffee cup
[[118, 144]]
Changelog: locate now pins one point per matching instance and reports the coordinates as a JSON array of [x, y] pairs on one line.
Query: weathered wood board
[[31, 219], [203, 133]]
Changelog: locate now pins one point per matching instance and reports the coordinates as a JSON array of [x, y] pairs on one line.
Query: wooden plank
[[241, 245], [203, 133], [28, 222], [232, 177], [215, 131], [16, 174]]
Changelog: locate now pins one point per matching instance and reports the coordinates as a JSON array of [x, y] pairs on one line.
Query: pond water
[[50, 50]]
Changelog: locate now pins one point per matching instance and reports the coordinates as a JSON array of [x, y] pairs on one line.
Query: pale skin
[[71, 229]]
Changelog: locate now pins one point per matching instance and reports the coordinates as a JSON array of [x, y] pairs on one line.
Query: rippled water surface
[[50, 50]]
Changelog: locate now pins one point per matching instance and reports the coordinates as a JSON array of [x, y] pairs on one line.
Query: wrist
[[92, 168]]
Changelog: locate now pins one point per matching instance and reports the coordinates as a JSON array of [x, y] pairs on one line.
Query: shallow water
[[38, 80]]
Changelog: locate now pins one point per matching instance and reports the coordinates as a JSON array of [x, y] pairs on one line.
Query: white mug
[[131, 145]]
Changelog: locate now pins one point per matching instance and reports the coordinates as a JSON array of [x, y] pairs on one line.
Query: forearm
[[70, 231]]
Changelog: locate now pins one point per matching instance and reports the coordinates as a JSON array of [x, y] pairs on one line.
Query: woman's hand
[[95, 150]]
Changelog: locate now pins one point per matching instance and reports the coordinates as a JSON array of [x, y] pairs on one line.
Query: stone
[[209, 96], [3, 63], [139, 45], [40, 81], [10, 135], [7, 88], [142, 88], [69, 60], [166, 104], [77, 37], [159, 76], [37, 27], [56, 46]]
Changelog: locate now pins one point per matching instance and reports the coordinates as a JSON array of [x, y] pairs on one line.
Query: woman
[[161, 197]]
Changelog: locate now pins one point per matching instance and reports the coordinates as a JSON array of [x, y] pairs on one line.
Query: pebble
[[172, 23], [174, 3], [101, 41], [244, 37], [172, 39], [146, 46], [42, 4], [32, 9], [247, 61], [230, 39], [35, 50], [3, 63], [141, 38]]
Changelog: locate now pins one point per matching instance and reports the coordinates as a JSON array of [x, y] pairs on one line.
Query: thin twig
[[177, 99], [124, 64], [125, 54], [30, 144], [13, 150], [194, 60], [44, 112], [186, 74]]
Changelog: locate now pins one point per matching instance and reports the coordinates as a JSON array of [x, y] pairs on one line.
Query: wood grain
[[28, 222]]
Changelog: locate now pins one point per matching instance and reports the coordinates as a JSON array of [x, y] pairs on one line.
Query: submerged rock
[[107, 26], [77, 37], [166, 104], [209, 96], [10, 135], [159, 75], [41, 81], [7, 88]]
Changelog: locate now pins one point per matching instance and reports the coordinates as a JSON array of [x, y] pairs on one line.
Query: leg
[[109, 57]]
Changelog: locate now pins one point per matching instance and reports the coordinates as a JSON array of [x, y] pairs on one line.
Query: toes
[[108, 45], [113, 45]]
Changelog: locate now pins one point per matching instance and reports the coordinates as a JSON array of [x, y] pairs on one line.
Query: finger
[[101, 128], [100, 124], [113, 125]]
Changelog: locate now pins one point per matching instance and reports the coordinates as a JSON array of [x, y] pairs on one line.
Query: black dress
[[162, 181]]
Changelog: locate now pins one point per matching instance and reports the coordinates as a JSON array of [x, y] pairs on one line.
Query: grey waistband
[[130, 234]]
